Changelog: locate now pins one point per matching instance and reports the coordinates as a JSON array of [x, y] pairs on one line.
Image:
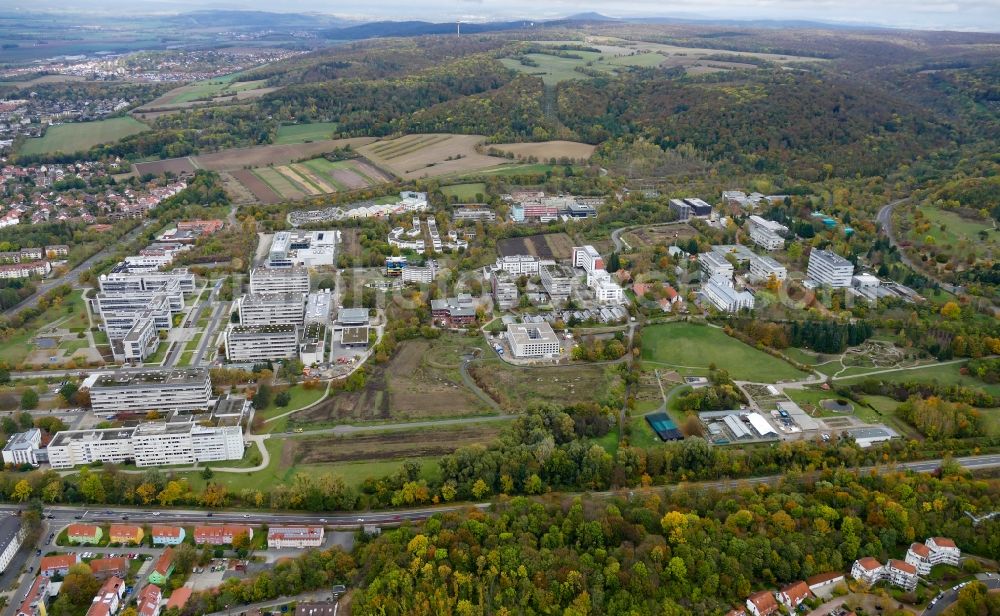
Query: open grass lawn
[[810, 401], [69, 313], [302, 133], [882, 409], [685, 346], [159, 355], [80, 136], [521, 169], [958, 229], [300, 397], [947, 374], [466, 193], [991, 420]]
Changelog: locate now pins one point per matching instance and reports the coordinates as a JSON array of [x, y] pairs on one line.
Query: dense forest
[[684, 552]]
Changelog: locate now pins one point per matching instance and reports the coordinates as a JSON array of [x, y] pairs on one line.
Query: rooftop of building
[[270, 299], [23, 440], [111, 434], [187, 376], [282, 328], [525, 333], [10, 526], [829, 258]]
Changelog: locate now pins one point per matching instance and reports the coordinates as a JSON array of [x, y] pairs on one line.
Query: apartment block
[[71, 448], [261, 342], [221, 535], [295, 537], [829, 269], [766, 233], [588, 258], [902, 574], [421, 274], [161, 444], [279, 280], [188, 389], [504, 289], [714, 264], [555, 283], [273, 309], [762, 267], [12, 535], [519, 265], [943, 551]]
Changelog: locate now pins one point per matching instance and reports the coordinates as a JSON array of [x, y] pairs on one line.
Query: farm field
[[309, 178], [257, 188], [304, 133], [545, 246], [429, 155], [686, 347], [171, 165], [264, 155], [465, 193], [421, 381], [549, 149], [215, 90], [516, 388], [80, 136]]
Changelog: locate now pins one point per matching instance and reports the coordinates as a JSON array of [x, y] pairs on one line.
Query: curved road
[[884, 219]]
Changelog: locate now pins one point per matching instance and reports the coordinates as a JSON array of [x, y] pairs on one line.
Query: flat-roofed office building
[[272, 309], [829, 268], [279, 280], [188, 389], [256, 343]]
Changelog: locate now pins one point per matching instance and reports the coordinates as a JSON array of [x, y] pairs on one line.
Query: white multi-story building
[[11, 537], [532, 340], [555, 284], [22, 448], [606, 290], [161, 444], [714, 264], [901, 573], [518, 265], [473, 213], [122, 280], [723, 296], [504, 289], [588, 258], [141, 340], [188, 389], [109, 598], [868, 570], [766, 233], [944, 551], [273, 309], [306, 248], [279, 537], [71, 448], [421, 274], [919, 555], [136, 301], [279, 280], [318, 307], [829, 269], [261, 342], [762, 267]]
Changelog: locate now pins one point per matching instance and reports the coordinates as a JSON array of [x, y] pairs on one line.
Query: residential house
[[126, 534], [901, 573], [792, 595], [221, 535], [867, 570], [762, 603], [104, 568], [57, 565], [90, 534], [164, 567], [944, 551], [295, 537], [149, 600], [34, 601], [179, 598], [167, 535], [109, 598], [822, 581], [919, 555]]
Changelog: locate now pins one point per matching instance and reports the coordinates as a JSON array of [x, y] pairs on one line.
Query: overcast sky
[[983, 15]]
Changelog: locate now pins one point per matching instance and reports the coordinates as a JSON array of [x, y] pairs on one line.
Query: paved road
[[949, 596], [72, 277], [884, 219]]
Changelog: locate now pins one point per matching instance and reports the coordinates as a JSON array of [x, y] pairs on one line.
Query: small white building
[[518, 265], [22, 448]]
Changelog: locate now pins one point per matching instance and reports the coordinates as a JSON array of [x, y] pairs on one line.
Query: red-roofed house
[[179, 597], [125, 533], [294, 537], [793, 595], [167, 535], [919, 555], [762, 603], [901, 573], [149, 600], [164, 567], [51, 565], [34, 601], [867, 570], [109, 598], [221, 535], [84, 533], [103, 568], [944, 551]]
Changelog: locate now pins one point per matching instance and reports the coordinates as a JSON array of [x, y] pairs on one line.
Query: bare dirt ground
[[348, 178], [237, 192], [549, 149], [159, 167], [372, 171], [547, 246], [264, 155], [428, 155], [261, 191], [649, 236]]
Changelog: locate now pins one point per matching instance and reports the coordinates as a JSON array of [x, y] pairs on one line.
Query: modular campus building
[[272, 309], [254, 343], [829, 269], [279, 280], [187, 389]]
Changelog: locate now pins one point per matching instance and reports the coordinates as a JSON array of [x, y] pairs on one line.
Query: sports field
[[81, 136], [692, 349], [304, 133]]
